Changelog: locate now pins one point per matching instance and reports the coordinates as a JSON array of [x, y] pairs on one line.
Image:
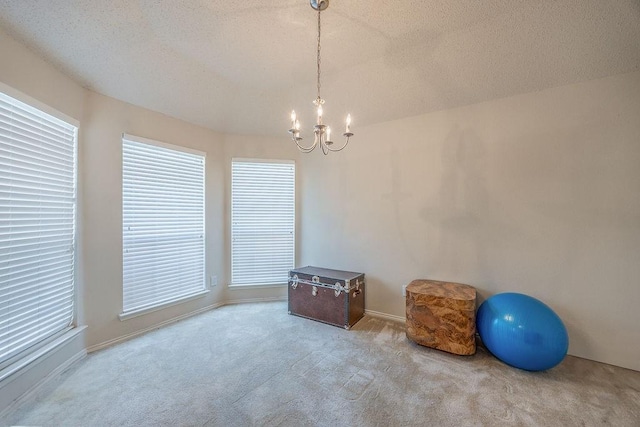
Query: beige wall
[[537, 193], [254, 147], [23, 70], [26, 74], [100, 159], [102, 122]]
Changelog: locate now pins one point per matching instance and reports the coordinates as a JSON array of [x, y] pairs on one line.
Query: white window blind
[[37, 224], [163, 223], [262, 221]]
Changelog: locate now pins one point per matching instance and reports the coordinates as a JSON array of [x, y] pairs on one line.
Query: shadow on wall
[[397, 198], [459, 212], [467, 222]]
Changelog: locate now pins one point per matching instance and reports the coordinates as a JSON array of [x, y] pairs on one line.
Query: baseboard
[[385, 316], [127, 337], [78, 356], [36, 357], [36, 387], [249, 300]]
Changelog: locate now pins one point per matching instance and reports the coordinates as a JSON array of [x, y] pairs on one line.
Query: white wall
[[537, 193]]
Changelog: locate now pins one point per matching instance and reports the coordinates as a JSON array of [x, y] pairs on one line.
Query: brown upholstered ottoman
[[442, 315]]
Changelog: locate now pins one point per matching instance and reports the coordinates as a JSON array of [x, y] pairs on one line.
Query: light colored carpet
[[253, 364]]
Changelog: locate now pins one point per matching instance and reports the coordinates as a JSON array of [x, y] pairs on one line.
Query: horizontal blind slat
[[37, 226], [163, 224], [262, 222]]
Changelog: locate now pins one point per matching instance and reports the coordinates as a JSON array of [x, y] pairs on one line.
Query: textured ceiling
[[240, 66]]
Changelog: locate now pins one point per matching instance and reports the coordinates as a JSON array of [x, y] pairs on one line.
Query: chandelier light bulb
[[348, 127], [293, 119]]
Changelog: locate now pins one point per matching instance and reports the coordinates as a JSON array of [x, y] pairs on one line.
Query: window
[[162, 224], [262, 221], [37, 227]]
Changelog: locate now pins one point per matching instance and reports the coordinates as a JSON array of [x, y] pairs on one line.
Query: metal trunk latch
[[294, 281], [314, 291], [337, 289], [357, 291]]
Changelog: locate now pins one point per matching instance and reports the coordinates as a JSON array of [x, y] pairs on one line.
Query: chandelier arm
[[306, 149], [341, 148]]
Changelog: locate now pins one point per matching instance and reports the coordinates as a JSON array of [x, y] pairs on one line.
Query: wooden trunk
[[335, 297], [442, 315]]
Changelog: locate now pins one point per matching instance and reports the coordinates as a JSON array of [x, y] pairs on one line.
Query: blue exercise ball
[[522, 331]]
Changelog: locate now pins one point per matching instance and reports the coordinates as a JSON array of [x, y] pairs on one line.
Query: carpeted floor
[[253, 364]]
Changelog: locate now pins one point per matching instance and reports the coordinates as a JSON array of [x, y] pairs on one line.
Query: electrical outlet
[[213, 281], [404, 290]]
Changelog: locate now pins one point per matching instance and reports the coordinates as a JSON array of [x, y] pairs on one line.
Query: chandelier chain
[[318, 59]]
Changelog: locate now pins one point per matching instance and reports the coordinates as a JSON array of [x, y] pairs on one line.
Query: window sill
[[257, 286], [46, 349], [143, 311]]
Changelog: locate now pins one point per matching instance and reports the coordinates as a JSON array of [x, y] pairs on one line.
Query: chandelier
[[322, 132]]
